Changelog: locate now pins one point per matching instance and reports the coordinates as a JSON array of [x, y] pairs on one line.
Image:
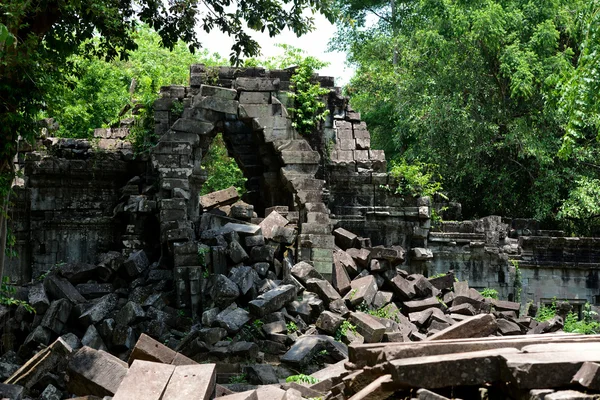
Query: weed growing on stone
[[291, 327], [241, 378], [7, 292], [301, 378], [343, 330]]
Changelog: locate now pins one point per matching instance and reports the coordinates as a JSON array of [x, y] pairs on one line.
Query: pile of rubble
[[249, 308]]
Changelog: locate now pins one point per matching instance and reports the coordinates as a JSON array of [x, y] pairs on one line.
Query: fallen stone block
[[261, 374], [303, 271], [507, 328], [570, 395], [191, 382], [95, 372], [100, 310], [344, 239], [92, 339], [380, 388], [52, 358], [443, 282], [360, 256], [362, 290], [273, 300], [223, 291], [403, 288], [57, 315], [136, 263], [11, 392], [272, 220], [323, 289], [58, 287], [148, 349], [481, 325], [367, 326], [219, 198], [302, 352], [38, 299], [588, 376], [424, 394], [329, 322], [247, 395], [432, 372], [420, 305], [232, 318], [144, 380], [346, 261]]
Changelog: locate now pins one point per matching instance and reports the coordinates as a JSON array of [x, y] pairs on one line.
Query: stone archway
[[280, 165]]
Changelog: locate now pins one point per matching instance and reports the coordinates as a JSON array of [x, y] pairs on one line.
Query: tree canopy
[[500, 95]]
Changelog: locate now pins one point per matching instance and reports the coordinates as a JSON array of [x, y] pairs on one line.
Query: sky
[[313, 43]]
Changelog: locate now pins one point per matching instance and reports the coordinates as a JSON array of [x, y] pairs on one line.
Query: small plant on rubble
[[309, 107], [241, 378], [489, 293], [343, 330], [291, 327], [301, 378]]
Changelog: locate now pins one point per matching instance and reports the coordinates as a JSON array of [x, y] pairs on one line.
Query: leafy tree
[[38, 36], [485, 90]]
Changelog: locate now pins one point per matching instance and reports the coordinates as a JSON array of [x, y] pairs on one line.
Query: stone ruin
[[319, 268]]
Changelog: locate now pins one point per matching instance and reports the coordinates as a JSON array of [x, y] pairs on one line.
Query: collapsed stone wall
[[80, 198]]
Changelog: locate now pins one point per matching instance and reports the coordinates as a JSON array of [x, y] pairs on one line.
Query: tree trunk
[[394, 31], [3, 233]]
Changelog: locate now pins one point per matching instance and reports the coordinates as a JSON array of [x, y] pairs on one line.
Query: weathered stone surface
[[130, 314], [59, 288], [95, 372], [303, 350], [324, 289], [144, 380], [362, 290], [136, 263], [232, 318], [272, 300], [443, 282], [588, 376], [92, 339], [329, 322], [340, 278], [473, 368], [57, 315], [367, 326], [50, 359], [38, 299], [219, 198], [223, 291], [346, 261], [507, 328], [191, 382], [360, 256], [570, 395], [303, 271], [480, 325], [261, 374], [100, 310], [403, 288], [244, 278], [344, 239], [272, 220], [420, 305], [11, 392]]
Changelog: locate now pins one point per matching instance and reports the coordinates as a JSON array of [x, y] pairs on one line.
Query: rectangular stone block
[[257, 84], [255, 97], [371, 329], [191, 382], [144, 380], [95, 372]]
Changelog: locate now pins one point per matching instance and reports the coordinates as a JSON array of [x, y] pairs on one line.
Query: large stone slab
[[588, 376], [219, 198], [191, 382], [50, 359], [474, 368], [481, 325], [272, 300], [144, 380], [371, 329], [95, 372], [148, 349]]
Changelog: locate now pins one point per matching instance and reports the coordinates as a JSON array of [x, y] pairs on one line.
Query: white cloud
[[313, 43]]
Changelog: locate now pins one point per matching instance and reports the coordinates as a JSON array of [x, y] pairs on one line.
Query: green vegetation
[[501, 95], [308, 98], [241, 378], [587, 325], [291, 327], [301, 378], [489, 293], [7, 292], [343, 330], [222, 170]]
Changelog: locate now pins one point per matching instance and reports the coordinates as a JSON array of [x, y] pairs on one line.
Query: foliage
[[222, 170], [291, 327], [7, 292], [417, 179], [258, 324], [546, 312], [301, 378], [484, 92], [343, 330], [308, 107], [203, 252], [489, 293], [241, 378]]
